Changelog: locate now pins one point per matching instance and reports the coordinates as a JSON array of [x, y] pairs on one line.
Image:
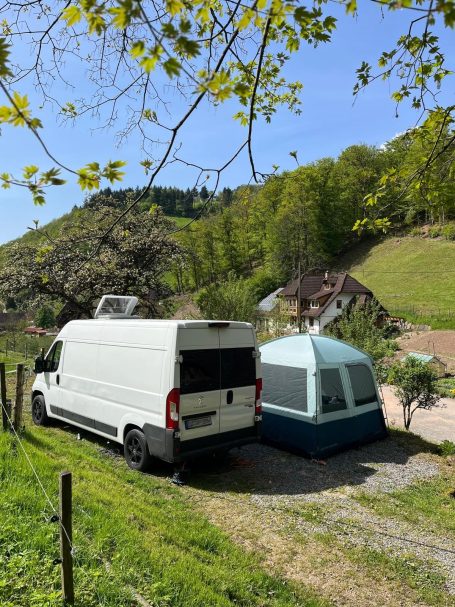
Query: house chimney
[[326, 275]]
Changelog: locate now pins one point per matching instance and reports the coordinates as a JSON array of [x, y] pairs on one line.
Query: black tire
[[39, 413], [136, 451]]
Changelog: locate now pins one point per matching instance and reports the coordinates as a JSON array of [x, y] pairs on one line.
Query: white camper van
[[171, 389]]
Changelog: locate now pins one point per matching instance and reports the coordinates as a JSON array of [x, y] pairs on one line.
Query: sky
[[330, 121]]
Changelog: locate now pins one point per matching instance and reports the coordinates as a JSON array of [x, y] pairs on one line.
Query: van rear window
[[205, 370], [238, 367], [199, 371]]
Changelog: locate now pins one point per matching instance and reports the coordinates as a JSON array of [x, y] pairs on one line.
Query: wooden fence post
[[66, 537], [19, 397], [3, 396]]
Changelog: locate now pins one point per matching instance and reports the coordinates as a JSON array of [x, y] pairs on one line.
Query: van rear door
[[238, 378], [199, 382]]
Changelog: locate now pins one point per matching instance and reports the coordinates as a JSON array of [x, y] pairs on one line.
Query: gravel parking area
[[280, 504]]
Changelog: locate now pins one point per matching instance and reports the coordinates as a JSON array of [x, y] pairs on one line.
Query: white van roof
[[71, 327]]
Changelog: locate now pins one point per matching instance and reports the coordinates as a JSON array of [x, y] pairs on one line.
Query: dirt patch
[[442, 343]]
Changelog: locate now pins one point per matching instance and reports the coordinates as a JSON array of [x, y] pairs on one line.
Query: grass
[[446, 387], [425, 579], [130, 531], [412, 277]]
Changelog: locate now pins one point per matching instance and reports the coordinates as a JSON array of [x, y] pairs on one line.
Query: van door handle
[[57, 379], [229, 397]]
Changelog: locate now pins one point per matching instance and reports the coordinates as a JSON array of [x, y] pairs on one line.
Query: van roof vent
[[116, 306]]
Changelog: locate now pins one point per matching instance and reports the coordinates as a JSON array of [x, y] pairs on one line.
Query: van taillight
[[258, 400], [172, 409]]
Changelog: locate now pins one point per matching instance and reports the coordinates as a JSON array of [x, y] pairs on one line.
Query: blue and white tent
[[319, 395]]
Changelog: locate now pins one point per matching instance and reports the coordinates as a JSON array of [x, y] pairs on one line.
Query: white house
[[323, 297]]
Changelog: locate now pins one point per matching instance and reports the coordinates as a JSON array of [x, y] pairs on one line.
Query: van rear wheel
[[136, 451], [39, 413]]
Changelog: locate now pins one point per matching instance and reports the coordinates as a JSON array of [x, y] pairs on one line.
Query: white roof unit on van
[[116, 306]]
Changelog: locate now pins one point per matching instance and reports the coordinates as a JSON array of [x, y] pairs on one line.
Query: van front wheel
[[39, 413], [136, 452]]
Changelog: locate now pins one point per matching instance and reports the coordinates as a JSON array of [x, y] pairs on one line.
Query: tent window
[[285, 387], [362, 383], [332, 393]]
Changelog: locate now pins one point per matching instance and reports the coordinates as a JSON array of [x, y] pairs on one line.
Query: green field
[[412, 277], [132, 533]]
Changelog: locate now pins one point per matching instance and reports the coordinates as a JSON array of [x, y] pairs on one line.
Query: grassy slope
[[53, 228], [411, 276], [131, 531]]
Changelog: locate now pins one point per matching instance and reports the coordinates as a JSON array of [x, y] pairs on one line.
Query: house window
[[311, 322], [339, 304], [314, 303]]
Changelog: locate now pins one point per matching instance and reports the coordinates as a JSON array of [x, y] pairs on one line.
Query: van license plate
[[198, 422]]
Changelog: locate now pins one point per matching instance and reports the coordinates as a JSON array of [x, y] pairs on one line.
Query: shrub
[[435, 231], [229, 300], [448, 231], [446, 448], [358, 326], [415, 231]]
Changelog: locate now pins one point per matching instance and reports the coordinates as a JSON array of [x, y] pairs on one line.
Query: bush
[[448, 231], [415, 231], [229, 300], [446, 448], [358, 326], [262, 283], [435, 231]]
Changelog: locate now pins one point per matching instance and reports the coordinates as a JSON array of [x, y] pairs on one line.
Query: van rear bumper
[[164, 444]]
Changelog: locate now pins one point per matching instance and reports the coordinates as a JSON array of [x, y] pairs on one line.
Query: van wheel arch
[[135, 449], [129, 427], [37, 393]]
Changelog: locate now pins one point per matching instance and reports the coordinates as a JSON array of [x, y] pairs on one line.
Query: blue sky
[[329, 122]]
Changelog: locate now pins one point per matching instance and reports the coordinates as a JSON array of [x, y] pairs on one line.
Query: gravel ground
[[275, 483], [271, 475]]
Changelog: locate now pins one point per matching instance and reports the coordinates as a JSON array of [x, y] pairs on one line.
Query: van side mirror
[[39, 364]]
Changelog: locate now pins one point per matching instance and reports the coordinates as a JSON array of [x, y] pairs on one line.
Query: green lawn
[[412, 277], [131, 531]]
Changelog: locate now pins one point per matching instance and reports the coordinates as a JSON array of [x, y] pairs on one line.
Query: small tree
[[358, 325], [229, 300], [414, 385], [45, 317]]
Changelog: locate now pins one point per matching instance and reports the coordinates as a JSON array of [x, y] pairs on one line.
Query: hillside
[[55, 227], [412, 277]]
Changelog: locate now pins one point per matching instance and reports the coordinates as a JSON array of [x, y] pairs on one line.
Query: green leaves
[[18, 113], [4, 57], [72, 14], [89, 177], [172, 67]]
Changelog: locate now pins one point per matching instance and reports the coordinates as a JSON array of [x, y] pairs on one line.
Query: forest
[[253, 235]]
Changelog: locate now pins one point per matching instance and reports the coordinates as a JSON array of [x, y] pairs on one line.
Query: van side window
[[238, 368], [53, 358], [199, 371]]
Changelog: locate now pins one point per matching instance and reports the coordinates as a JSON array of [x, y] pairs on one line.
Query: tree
[[209, 52], [45, 317], [229, 300], [72, 270], [358, 325], [415, 386]]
